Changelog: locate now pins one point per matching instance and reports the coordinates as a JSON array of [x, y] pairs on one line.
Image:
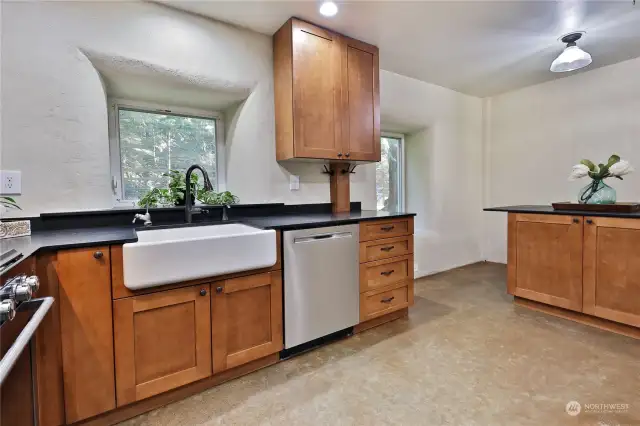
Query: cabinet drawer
[[373, 230], [385, 249], [380, 302], [381, 273]]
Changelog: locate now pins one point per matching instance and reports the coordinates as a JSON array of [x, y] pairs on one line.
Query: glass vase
[[597, 192]]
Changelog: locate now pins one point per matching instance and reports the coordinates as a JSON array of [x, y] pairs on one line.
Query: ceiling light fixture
[[572, 58], [328, 8]]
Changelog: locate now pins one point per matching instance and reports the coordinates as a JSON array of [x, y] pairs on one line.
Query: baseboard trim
[[602, 324]]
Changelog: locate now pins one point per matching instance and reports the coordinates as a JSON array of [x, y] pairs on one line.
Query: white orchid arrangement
[[615, 167]]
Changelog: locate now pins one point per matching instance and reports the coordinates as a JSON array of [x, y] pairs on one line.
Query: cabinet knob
[[589, 221], [339, 154], [576, 220], [203, 292], [348, 154], [219, 290], [98, 255]]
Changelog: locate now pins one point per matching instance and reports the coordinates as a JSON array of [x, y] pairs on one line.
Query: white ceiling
[[477, 47]]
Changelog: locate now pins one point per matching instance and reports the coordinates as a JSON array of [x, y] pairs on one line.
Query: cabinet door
[[545, 259], [612, 269], [361, 95], [247, 319], [162, 341], [86, 323], [316, 92]]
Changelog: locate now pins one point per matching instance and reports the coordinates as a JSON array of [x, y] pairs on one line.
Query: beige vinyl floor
[[464, 356]]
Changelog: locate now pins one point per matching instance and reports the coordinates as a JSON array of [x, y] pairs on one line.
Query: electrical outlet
[[10, 182], [294, 182]]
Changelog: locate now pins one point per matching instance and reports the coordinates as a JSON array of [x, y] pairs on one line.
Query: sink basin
[[164, 256]]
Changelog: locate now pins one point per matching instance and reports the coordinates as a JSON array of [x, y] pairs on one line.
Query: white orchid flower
[[579, 171], [620, 168]]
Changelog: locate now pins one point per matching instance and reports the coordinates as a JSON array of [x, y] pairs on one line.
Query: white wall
[[54, 114], [443, 167], [539, 132]]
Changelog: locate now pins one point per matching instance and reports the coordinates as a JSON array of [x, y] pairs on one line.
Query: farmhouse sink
[[164, 256]]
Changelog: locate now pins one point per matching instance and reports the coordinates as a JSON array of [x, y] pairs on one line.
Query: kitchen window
[[390, 173], [148, 140]]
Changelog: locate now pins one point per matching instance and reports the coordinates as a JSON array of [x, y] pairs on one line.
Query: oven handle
[[10, 358]]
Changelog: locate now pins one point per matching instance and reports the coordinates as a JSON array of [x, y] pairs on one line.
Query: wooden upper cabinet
[[361, 97], [326, 95], [246, 319], [612, 269], [545, 259], [86, 323], [162, 341]]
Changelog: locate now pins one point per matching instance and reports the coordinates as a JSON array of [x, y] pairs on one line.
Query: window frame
[[401, 167], [115, 160]]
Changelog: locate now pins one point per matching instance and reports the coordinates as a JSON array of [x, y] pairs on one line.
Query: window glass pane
[[154, 143], [388, 175]]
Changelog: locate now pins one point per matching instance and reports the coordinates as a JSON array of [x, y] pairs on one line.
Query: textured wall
[[443, 168], [54, 114], [538, 133]]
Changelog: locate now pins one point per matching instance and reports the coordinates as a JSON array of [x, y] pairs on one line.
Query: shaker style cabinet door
[[612, 269], [162, 341], [246, 319], [545, 259], [361, 101], [86, 324], [316, 92]]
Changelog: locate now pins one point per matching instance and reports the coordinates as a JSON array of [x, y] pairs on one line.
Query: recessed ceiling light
[[572, 58], [328, 8]]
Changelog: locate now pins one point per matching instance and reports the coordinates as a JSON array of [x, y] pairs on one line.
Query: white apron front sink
[[165, 256]]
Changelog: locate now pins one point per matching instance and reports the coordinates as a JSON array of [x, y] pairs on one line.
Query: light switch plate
[[294, 182], [10, 182]]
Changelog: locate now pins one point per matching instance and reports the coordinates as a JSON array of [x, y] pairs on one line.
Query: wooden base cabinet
[[246, 319], [545, 259], [612, 269], [386, 267], [162, 341], [585, 264]]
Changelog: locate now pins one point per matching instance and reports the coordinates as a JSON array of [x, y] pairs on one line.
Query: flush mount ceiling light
[[572, 58], [328, 8]]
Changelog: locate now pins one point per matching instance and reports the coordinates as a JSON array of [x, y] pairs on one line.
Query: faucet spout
[[188, 206]]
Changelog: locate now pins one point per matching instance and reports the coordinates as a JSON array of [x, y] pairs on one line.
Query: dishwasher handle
[[319, 237]]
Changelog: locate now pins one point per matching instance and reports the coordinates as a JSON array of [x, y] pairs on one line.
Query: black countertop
[[550, 210], [85, 237]]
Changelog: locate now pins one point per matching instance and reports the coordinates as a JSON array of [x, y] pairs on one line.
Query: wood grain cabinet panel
[[361, 123], [612, 269], [545, 259], [246, 319], [380, 302], [326, 95], [385, 272], [374, 230], [162, 341], [86, 323], [385, 248]]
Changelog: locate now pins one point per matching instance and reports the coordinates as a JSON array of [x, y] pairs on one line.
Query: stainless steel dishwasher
[[321, 282]]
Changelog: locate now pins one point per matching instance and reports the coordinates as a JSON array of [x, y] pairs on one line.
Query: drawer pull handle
[[98, 255], [387, 300], [589, 221], [389, 248], [387, 273], [203, 292], [219, 290], [576, 220], [387, 228]]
